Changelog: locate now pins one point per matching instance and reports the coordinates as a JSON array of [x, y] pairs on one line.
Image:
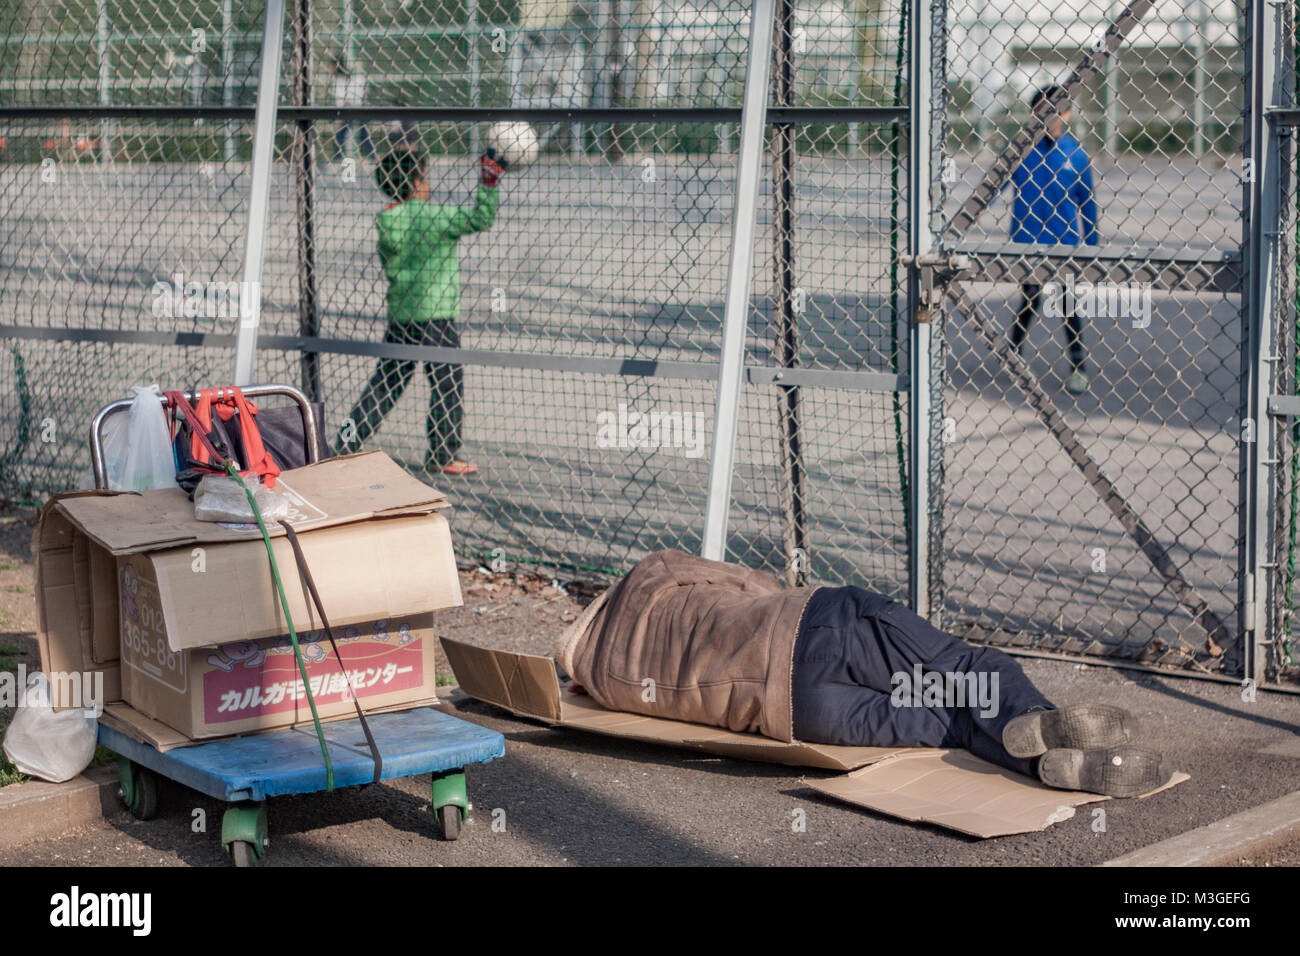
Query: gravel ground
[[565, 797]]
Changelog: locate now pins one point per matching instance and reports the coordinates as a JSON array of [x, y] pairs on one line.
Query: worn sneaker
[[1077, 383], [1080, 726], [1115, 772]]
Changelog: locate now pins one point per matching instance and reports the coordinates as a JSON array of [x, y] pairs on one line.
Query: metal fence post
[[1261, 246], [735, 322], [919, 241], [259, 199], [304, 162], [784, 310]]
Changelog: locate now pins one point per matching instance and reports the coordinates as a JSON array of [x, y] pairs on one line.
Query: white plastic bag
[[221, 498], [49, 744], [137, 445]]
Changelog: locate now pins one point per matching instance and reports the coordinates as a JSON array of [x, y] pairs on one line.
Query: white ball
[[516, 143]]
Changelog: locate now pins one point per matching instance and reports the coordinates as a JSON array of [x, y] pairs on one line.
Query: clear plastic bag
[[221, 498], [48, 744], [137, 444]]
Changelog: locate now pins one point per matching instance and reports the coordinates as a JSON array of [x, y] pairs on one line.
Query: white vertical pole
[[259, 200], [919, 241], [350, 146], [475, 69], [735, 321], [227, 80], [105, 80]]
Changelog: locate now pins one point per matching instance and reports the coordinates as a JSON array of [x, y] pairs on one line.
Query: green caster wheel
[[450, 802], [138, 789], [244, 833]]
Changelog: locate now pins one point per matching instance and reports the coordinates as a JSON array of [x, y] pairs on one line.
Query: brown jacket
[[716, 639]]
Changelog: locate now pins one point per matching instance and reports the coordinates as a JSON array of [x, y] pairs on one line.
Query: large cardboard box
[[201, 642], [948, 788]]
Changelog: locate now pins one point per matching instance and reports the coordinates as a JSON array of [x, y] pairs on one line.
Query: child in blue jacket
[[1054, 205]]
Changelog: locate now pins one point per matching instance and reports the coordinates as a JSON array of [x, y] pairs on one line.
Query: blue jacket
[[1053, 193]]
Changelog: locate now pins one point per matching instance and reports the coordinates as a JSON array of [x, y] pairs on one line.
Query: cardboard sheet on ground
[[949, 788]]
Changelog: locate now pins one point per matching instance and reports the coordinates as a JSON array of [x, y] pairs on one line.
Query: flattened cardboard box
[[93, 546], [949, 788], [331, 492]]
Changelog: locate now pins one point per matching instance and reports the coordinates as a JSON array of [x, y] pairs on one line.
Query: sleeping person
[[708, 642]]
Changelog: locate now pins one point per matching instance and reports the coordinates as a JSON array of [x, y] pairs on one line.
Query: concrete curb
[[37, 810], [1224, 840]]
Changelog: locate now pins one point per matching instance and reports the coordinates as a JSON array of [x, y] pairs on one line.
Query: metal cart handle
[[310, 425]]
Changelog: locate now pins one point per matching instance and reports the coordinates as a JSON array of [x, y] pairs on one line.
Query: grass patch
[[446, 679], [10, 566], [8, 774]]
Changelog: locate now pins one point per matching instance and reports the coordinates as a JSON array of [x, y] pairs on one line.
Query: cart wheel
[[449, 821], [139, 789], [242, 853], [244, 832], [450, 801]]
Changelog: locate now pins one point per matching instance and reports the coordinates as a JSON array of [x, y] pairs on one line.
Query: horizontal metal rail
[[462, 114], [758, 375], [1213, 270]]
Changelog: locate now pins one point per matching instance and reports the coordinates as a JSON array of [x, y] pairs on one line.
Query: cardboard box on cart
[[203, 644]]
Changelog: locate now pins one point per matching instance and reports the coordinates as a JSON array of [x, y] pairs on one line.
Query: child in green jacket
[[417, 248]]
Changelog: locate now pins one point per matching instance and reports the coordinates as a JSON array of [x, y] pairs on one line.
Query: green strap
[[293, 635]]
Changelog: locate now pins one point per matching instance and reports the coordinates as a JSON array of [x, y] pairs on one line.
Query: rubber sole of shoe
[[1115, 772], [1078, 726]]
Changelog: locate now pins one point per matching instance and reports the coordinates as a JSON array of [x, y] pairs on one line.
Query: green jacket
[[417, 248]]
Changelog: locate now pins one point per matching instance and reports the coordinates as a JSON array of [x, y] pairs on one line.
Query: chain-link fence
[[1086, 493], [1092, 467]]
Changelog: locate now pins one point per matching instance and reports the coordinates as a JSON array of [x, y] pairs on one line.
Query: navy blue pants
[[855, 665]]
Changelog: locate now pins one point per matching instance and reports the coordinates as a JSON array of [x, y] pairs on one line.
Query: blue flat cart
[[246, 771]]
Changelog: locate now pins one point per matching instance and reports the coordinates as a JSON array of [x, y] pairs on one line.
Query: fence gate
[[1099, 425]]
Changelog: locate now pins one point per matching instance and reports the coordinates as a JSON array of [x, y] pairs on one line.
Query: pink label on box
[[248, 682]]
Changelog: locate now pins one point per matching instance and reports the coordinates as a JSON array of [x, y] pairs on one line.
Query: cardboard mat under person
[[718, 657]]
